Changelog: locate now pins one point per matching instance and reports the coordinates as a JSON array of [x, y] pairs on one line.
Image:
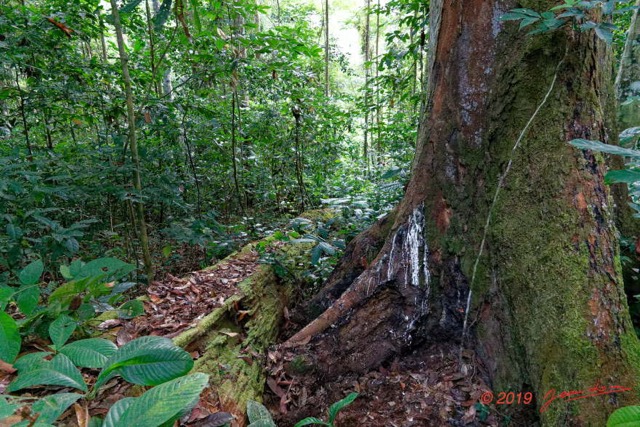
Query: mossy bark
[[233, 340], [548, 310]]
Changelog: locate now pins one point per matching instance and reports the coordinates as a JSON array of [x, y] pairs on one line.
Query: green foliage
[[631, 174], [89, 353], [10, 340], [59, 308], [145, 361], [575, 12], [51, 407], [629, 416], [161, 405], [58, 371], [259, 416], [333, 412]]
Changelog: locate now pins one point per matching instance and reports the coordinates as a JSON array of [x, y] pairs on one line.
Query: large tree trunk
[[548, 310]]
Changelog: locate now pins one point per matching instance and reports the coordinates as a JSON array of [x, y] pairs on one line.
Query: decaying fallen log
[[232, 340]]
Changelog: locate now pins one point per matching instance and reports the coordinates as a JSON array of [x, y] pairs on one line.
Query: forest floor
[[423, 388]]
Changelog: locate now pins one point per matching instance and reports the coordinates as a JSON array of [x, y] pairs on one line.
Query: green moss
[[299, 365], [538, 247], [319, 215]]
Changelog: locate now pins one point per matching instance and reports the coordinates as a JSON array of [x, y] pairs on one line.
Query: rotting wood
[[232, 340]]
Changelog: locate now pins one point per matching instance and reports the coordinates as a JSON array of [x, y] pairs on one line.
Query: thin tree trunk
[[152, 59], [234, 154], [103, 43], [326, 48], [23, 115], [377, 85], [297, 113], [502, 210], [367, 76], [133, 144], [192, 164]]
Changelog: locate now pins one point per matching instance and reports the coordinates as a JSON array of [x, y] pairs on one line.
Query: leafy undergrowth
[[170, 307]]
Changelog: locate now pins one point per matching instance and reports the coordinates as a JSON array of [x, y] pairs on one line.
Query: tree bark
[[502, 212]]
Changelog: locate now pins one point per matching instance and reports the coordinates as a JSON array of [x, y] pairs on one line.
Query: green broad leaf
[[66, 272], [72, 245], [305, 240], [626, 176], [604, 33], [7, 409], [27, 298], [28, 423], [10, 340], [14, 232], [327, 248], [58, 371], [629, 416], [114, 416], [163, 14], [147, 360], [130, 7], [166, 251], [528, 21], [512, 16], [628, 135], [316, 253], [66, 292], [76, 267], [608, 7], [586, 144], [340, 405], [195, 7], [391, 173], [263, 423], [131, 309], [96, 421], [310, 421], [526, 12], [165, 402], [258, 412], [85, 312], [6, 294], [30, 275], [90, 353], [51, 407], [31, 360], [122, 287], [61, 329], [109, 268]]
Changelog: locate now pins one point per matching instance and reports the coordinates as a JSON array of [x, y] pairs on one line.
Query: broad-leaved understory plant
[[146, 361], [56, 314], [259, 416]]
